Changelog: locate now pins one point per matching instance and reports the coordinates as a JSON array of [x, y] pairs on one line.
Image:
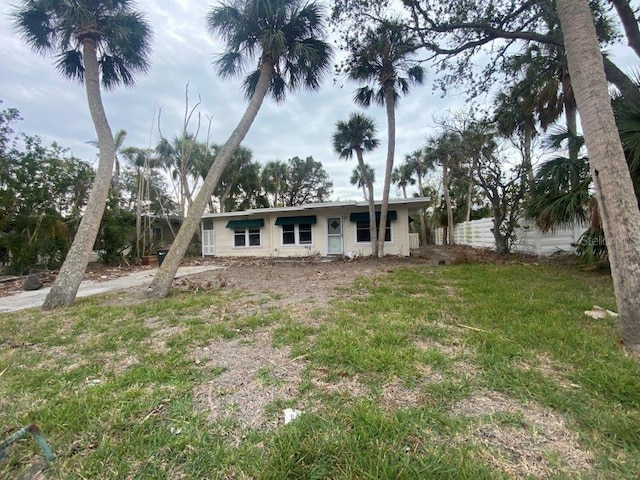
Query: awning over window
[[296, 220], [253, 223], [364, 216]]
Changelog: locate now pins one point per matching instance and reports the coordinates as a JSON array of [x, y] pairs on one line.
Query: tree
[[233, 177], [358, 135], [181, 158], [273, 180], [446, 150], [402, 176], [306, 182], [42, 191], [382, 59], [93, 41], [286, 39], [614, 189], [359, 179], [421, 162]]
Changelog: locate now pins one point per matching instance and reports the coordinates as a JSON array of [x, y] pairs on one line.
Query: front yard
[[401, 369]]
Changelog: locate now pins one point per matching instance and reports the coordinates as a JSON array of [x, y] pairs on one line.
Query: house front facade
[[324, 229]]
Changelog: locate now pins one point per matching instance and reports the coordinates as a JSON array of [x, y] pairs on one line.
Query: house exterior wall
[[271, 234]]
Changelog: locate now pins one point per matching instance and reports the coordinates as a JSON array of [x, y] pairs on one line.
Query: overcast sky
[[56, 109]]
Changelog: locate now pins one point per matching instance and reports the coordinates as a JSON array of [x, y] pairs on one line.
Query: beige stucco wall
[[271, 235]]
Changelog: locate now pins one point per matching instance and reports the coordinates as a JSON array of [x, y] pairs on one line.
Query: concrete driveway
[[35, 298]]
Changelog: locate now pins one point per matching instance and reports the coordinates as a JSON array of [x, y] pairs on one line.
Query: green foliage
[[287, 34], [42, 192], [120, 34], [306, 181], [116, 233]]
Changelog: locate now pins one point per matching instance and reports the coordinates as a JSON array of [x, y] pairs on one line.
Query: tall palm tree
[[382, 59], [421, 162], [358, 135], [614, 189], [402, 176], [94, 41], [285, 39], [359, 180]]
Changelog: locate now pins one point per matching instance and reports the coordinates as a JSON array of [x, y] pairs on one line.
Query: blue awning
[[296, 220], [364, 216], [253, 223]]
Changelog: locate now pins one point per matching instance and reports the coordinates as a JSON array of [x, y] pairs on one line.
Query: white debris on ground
[[600, 313]]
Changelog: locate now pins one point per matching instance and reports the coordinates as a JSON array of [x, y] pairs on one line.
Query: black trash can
[[161, 254]]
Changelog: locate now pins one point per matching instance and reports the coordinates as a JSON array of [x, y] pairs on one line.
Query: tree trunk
[[64, 289], [162, 281], [528, 137], [447, 201], [467, 216], [617, 77], [629, 22], [614, 189], [389, 101], [372, 204], [423, 220]]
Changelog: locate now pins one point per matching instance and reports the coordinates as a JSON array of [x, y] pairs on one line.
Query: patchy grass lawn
[[452, 372]]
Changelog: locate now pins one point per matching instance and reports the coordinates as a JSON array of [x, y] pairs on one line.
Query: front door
[[334, 236]]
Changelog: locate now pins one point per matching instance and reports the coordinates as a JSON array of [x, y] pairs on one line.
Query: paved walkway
[[22, 300]]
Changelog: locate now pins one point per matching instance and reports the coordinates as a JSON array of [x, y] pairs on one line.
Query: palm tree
[[359, 180], [421, 162], [94, 41], [181, 159], [382, 60], [273, 178], [229, 181], [402, 176], [285, 37], [358, 135], [614, 189]]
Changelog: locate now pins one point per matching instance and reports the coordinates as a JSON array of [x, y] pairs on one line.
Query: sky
[[55, 108]]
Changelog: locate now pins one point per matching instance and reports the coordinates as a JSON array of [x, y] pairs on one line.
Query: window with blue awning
[[253, 223]]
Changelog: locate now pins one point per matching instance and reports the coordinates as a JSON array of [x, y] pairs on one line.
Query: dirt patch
[[255, 375], [542, 446]]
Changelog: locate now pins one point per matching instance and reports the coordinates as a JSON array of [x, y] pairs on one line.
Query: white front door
[[208, 245], [334, 236]]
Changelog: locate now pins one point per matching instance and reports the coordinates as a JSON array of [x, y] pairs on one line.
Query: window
[[364, 235], [243, 237], [298, 234], [157, 233]]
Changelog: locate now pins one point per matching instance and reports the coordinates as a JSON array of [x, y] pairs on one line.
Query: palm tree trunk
[[614, 189], [447, 201], [372, 204], [162, 281], [389, 101], [467, 216], [64, 289], [423, 220]]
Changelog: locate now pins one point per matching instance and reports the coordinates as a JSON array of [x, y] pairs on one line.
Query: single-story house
[[324, 229]]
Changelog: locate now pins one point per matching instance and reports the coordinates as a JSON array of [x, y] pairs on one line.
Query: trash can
[[161, 254]]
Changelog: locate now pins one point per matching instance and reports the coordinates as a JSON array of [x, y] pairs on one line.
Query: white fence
[[477, 233]]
